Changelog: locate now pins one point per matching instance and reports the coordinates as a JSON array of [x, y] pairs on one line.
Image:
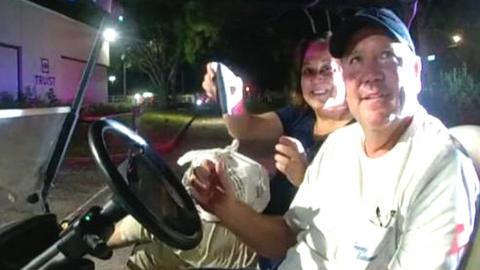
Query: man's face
[[377, 71], [321, 79]]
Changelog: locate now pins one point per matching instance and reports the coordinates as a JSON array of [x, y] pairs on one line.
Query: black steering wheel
[[148, 190]]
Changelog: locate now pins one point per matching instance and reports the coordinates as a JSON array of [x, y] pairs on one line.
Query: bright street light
[[112, 78], [110, 34], [457, 38], [137, 98], [147, 95], [431, 57]]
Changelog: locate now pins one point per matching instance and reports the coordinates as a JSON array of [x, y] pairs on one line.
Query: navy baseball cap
[[375, 17]]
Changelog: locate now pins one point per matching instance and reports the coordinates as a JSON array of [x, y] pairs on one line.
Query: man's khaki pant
[[218, 248]]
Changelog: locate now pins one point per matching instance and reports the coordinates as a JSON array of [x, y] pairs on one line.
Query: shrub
[[454, 97], [459, 87], [7, 101], [52, 98], [103, 109], [28, 98]]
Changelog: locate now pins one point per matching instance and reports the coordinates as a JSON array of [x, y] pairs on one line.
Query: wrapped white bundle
[[249, 178]]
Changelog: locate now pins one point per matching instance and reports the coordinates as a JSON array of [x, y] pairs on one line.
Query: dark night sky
[[254, 27]]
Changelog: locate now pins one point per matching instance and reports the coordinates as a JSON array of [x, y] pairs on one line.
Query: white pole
[[124, 78]]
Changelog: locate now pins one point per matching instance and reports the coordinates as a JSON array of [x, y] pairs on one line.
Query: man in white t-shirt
[[389, 192]]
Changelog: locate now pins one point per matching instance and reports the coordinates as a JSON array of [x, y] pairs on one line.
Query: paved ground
[[80, 185]]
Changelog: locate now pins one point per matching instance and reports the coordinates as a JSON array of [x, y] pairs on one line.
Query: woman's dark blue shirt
[[298, 123]]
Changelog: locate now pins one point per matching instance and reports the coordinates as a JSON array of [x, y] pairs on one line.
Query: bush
[[454, 97], [266, 103], [52, 98], [460, 88], [103, 109], [28, 98], [7, 101]]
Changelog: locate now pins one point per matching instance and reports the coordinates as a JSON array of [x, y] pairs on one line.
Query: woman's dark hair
[[296, 94]]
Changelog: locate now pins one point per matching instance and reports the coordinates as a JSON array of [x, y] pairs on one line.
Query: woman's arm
[[244, 125]]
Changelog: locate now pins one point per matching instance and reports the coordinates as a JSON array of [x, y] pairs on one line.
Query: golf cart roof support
[[72, 117]]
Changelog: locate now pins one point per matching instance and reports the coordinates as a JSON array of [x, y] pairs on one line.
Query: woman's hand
[[208, 83], [291, 159]]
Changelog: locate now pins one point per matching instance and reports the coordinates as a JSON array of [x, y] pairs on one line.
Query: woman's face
[[321, 80]]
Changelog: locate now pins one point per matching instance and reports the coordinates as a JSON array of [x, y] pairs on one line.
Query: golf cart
[[171, 216]]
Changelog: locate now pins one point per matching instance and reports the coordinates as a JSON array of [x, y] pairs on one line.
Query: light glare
[[147, 94], [110, 34], [457, 38]]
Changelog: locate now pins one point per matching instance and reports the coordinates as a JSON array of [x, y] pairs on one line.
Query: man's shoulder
[[430, 134], [432, 145]]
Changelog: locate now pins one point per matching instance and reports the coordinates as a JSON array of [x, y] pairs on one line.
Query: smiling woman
[[299, 129]]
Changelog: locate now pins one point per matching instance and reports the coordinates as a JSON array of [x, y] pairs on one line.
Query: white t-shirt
[[412, 208]]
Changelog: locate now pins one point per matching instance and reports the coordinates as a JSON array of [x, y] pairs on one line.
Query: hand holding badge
[[229, 90]]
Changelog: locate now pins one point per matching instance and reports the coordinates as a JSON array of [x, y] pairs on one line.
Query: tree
[[454, 96], [451, 90], [175, 34]]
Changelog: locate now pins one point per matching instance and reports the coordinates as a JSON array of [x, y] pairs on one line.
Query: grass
[[164, 124], [153, 126]]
